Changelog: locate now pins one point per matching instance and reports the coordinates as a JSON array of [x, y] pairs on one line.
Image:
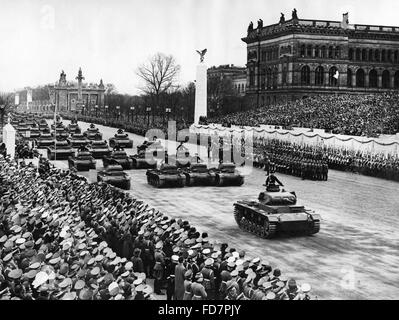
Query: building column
[[366, 79], [290, 74], [379, 84], [280, 75], [326, 74], [312, 77], [354, 79], [392, 79]]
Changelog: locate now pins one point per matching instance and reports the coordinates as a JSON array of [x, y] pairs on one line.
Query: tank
[[275, 212], [61, 133], [93, 133], [182, 158], [152, 146], [78, 140], [73, 127], [144, 160], [59, 125], [120, 157], [83, 161], [227, 175], [114, 175], [46, 139], [43, 125], [198, 174], [99, 149], [120, 139], [61, 151], [166, 176]]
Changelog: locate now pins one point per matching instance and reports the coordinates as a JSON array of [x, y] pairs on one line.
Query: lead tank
[[275, 211]]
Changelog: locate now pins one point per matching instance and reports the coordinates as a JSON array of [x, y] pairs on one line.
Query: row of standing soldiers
[[312, 169]]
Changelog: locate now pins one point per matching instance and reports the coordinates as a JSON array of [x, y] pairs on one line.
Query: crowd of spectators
[[358, 115], [64, 238]]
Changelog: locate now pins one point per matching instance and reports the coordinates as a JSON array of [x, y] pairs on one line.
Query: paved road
[[355, 254]]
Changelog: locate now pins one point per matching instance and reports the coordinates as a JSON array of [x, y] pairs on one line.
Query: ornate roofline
[[307, 26]]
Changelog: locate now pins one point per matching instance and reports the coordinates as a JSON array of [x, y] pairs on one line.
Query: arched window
[[389, 56], [358, 54], [350, 54], [251, 77], [333, 77], [289, 49], [316, 52], [284, 75], [349, 78], [386, 79], [275, 74], [377, 55], [364, 55], [371, 56], [302, 50], [337, 52], [309, 51], [319, 76], [330, 52], [305, 75], [373, 79], [263, 78], [396, 56], [383, 55], [396, 80], [360, 78], [269, 78], [323, 52]]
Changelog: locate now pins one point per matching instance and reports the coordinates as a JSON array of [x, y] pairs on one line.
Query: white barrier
[[385, 145]]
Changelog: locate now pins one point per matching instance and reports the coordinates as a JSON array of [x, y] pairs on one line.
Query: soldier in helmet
[[271, 182]]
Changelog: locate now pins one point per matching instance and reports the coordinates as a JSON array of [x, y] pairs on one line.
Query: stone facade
[[235, 73], [297, 58], [65, 96]]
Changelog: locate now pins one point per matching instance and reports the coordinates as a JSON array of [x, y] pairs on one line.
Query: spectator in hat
[[159, 269], [187, 285], [209, 278], [198, 289], [137, 261], [180, 270], [170, 287]]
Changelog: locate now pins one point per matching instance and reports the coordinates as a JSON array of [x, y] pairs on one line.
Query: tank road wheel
[[238, 215], [269, 230], [315, 227]]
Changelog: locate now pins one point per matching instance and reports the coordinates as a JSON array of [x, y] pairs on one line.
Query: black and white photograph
[[212, 150]]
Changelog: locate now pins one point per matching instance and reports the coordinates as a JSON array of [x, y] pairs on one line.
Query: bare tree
[[5, 105], [158, 74], [110, 88]]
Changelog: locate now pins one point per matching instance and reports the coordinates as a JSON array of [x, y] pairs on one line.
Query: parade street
[[354, 256]]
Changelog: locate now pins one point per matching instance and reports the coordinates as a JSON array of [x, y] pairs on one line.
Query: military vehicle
[[144, 160], [61, 151], [73, 127], [83, 161], [120, 139], [99, 149], [78, 140], [43, 125], [61, 133], [120, 157], [34, 132], [93, 133], [114, 175], [198, 174], [227, 175], [46, 139], [166, 176], [275, 212], [152, 146]]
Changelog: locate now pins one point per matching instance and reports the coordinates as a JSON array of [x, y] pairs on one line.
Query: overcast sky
[[109, 39]]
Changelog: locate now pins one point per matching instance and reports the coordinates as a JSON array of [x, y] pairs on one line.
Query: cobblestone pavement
[[355, 254]]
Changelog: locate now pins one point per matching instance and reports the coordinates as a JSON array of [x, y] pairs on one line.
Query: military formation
[[63, 238], [277, 156]]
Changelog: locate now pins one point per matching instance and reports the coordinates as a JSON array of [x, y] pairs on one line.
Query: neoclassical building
[[64, 95], [296, 58]]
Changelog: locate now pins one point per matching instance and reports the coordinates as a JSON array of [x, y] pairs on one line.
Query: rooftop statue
[[294, 14], [250, 27], [282, 18]]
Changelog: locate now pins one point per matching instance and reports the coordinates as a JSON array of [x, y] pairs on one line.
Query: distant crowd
[[359, 115]]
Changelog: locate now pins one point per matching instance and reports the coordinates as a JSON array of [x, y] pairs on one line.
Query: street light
[[168, 111], [132, 111], [96, 107], [118, 113], [148, 109]]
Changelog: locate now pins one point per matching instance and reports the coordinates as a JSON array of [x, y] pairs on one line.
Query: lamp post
[[148, 109], [132, 111], [168, 111], [117, 112], [106, 111], [96, 107]]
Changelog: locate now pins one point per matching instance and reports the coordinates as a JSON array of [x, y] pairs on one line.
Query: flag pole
[[55, 132]]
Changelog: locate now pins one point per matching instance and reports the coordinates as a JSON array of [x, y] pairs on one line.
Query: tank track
[[253, 227], [315, 227]]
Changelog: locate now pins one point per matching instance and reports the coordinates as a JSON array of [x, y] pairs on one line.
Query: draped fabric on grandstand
[[385, 144]]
